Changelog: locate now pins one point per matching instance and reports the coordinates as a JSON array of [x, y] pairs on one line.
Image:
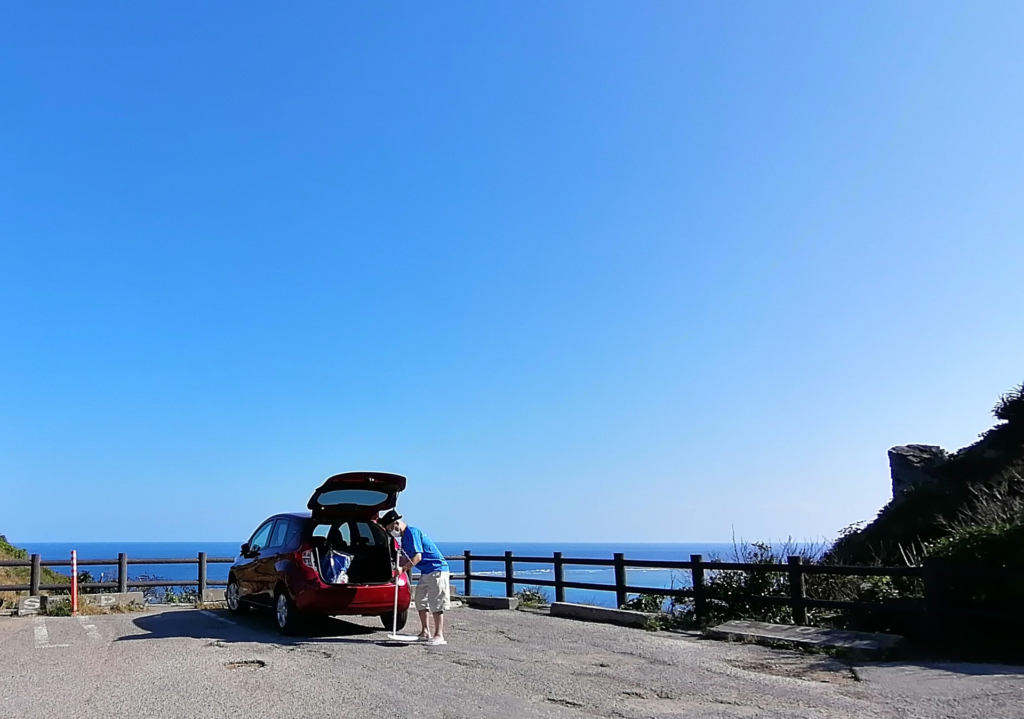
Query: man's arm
[[417, 548], [413, 561]]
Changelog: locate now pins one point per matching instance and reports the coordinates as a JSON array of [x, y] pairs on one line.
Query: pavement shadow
[[254, 627]]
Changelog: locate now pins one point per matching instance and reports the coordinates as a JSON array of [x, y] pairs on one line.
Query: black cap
[[390, 517]]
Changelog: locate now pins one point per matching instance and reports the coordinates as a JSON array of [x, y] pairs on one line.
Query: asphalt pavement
[[196, 663]]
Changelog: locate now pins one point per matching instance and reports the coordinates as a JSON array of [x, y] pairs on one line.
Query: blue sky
[[583, 271]]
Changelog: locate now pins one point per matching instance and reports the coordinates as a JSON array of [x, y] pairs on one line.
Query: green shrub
[[532, 597], [646, 603], [996, 545], [726, 590], [181, 595], [993, 546]]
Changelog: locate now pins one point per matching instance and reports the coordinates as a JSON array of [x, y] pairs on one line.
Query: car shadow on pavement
[[255, 627]]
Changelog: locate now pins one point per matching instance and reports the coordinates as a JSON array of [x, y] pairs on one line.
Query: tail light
[[306, 556], [308, 559]]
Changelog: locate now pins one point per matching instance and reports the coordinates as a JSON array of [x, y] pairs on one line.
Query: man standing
[[432, 589]]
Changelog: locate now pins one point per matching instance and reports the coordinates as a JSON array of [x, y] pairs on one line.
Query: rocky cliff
[[933, 489]]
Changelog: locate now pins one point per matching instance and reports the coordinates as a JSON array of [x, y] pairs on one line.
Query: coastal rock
[[914, 464]]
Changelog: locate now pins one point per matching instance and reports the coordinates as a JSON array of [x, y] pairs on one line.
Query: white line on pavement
[[90, 629], [43, 636], [218, 618]]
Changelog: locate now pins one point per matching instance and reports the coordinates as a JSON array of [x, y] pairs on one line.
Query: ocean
[[599, 575]]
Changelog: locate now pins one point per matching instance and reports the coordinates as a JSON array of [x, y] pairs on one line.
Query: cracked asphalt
[[193, 663]]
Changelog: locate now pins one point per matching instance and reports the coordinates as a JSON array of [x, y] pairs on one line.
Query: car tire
[[233, 598], [386, 620], [285, 613]]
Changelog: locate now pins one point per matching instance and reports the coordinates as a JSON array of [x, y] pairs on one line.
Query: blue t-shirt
[[416, 542]]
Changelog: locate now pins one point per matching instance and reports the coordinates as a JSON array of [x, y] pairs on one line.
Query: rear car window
[[366, 535], [294, 530], [360, 497], [281, 533], [323, 530], [353, 533]]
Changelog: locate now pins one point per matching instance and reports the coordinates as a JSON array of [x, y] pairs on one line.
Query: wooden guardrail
[[123, 583], [935, 578]]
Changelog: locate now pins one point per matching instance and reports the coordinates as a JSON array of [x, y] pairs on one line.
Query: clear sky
[[583, 271]]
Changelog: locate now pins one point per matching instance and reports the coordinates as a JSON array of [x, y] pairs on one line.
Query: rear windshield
[[352, 534], [360, 497]]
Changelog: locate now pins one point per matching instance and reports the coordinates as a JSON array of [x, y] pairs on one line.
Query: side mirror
[[245, 549]]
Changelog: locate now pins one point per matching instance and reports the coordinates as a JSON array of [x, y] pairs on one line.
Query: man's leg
[[438, 600], [420, 599]]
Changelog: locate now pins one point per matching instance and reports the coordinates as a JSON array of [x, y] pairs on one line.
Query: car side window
[[294, 530], [261, 538], [281, 532]]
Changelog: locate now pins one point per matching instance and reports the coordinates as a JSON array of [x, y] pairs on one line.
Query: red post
[[74, 583]]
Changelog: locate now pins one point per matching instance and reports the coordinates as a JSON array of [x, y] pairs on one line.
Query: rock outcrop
[[914, 465]]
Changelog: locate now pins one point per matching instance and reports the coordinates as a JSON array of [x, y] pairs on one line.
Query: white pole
[[394, 615], [74, 583]]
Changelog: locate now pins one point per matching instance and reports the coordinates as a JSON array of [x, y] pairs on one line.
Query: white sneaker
[[436, 642]]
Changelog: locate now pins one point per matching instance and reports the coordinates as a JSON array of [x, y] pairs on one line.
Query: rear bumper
[[364, 599]]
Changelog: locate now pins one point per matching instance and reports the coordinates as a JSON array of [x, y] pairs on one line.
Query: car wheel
[[285, 613], [386, 620], [233, 598]]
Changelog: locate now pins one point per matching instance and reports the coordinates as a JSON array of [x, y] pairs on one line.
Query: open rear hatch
[[355, 495]]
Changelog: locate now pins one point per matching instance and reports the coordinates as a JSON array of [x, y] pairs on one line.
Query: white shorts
[[432, 592]]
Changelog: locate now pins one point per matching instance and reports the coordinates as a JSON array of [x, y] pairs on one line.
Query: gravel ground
[[189, 663]]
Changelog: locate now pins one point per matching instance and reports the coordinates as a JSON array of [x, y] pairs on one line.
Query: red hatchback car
[[282, 566]]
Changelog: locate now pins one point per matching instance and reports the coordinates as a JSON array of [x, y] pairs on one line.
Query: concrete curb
[[103, 601], [803, 637], [587, 613], [491, 602]]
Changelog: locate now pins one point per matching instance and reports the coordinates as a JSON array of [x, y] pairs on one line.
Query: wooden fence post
[[620, 580], [933, 598], [559, 578], [510, 582], [467, 570], [797, 589], [122, 572], [35, 574], [700, 609], [202, 577]]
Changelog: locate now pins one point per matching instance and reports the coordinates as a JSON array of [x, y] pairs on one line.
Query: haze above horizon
[[586, 272]]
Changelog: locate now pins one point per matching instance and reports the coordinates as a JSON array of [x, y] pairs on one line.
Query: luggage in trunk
[[368, 545]]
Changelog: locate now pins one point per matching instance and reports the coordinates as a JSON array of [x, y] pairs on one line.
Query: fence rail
[[124, 582], [795, 569]]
